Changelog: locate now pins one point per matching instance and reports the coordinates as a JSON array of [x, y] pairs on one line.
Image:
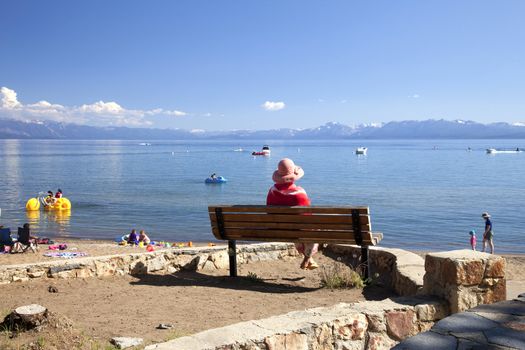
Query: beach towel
[[65, 255]]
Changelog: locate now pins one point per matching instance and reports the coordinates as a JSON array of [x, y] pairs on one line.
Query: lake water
[[423, 194]]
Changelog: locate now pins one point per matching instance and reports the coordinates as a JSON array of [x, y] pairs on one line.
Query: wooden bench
[[347, 225]]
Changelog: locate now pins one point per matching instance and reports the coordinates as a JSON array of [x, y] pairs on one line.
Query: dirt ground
[[97, 309], [86, 313]]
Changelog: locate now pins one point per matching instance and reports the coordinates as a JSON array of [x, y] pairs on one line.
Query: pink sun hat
[[287, 172]]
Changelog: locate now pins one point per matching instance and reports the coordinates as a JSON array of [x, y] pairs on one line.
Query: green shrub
[[340, 276]]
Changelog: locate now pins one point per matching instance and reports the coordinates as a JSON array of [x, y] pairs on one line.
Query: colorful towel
[[66, 255]]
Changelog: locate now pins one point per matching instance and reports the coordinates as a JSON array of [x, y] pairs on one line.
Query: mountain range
[[426, 129]]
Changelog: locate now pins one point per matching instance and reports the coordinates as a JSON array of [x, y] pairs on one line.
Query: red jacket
[[287, 194]]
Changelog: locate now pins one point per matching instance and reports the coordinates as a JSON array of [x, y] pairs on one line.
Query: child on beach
[[143, 237], [472, 234], [133, 238]]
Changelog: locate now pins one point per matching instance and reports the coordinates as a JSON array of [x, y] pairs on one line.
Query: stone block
[[351, 327], [292, 341], [401, 324], [157, 263], [221, 260], [323, 338], [465, 278], [496, 267], [380, 341], [376, 322]]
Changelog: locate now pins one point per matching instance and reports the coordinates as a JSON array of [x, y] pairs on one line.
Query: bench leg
[[365, 262], [232, 252]]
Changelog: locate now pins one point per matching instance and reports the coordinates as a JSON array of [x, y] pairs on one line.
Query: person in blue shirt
[[133, 237], [488, 234]]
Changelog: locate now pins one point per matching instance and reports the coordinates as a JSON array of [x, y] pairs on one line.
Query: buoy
[[32, 204]]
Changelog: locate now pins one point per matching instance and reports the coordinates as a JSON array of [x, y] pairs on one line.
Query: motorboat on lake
[[361, 150], [264, 152], [495, 150]]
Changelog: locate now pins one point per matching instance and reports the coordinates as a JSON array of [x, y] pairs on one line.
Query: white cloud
[[415, 96], [273, 106], [9, 99], [98, 113]]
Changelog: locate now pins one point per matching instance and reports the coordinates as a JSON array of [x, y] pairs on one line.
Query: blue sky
[[261, 64]]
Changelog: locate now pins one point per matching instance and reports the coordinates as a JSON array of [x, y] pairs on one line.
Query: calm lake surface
[[424, 194]]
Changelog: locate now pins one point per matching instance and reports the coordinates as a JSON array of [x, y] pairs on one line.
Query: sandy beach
[[90, 311]]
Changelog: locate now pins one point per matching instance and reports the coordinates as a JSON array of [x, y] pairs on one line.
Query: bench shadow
[[192, 278]]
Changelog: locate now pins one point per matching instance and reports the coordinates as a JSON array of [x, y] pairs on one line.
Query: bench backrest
[[349, 225]]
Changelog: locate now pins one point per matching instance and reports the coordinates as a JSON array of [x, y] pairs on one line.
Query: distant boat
[[264, 152], [495, 151], [238, 150], [144, 144], [215, 180], [361, 150]]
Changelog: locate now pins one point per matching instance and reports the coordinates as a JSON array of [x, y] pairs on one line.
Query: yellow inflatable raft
[[60, 204]]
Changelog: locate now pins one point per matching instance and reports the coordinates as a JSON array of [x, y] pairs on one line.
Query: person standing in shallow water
[[488, 234], [285, 192]]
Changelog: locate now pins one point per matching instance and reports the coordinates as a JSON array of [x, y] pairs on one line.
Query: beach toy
[[32, 204], [190, 244], [150, 248], [141, 244]]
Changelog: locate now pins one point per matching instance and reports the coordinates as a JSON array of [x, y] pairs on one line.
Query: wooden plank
[[295, 225], [313, 219], [363, 210], [299, 240], [290, 234], [300, 225]]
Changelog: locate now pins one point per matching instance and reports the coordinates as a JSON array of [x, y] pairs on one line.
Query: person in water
[[50, 198], [58, 194], [488, 235], [285, 192]]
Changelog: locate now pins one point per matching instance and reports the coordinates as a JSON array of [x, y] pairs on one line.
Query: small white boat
[[238, 150], [144, 144], [361, 150], [494, 150]]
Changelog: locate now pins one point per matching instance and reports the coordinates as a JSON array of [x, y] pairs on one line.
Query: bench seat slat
[[281, 209], [318, 219], [304, 240], [287, 225], [293, 235]]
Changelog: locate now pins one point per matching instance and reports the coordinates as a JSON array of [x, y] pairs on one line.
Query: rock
[[52, 289], [164, 326], [292, 341], [125, 342], [400, 324]]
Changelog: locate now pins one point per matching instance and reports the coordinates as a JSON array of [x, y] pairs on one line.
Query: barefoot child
[[472, 234]]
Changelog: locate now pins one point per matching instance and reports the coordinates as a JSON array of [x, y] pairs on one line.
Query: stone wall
[[161, 261], [400, 269], [465, 278], [366, 325]]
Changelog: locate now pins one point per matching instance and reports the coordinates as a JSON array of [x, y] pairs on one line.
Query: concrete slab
[[465, 322], [428, 340]]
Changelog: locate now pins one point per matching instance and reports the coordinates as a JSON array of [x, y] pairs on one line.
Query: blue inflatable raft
[[217, 180]]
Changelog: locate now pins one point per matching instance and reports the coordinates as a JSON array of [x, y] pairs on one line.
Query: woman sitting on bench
[[285, 192]]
